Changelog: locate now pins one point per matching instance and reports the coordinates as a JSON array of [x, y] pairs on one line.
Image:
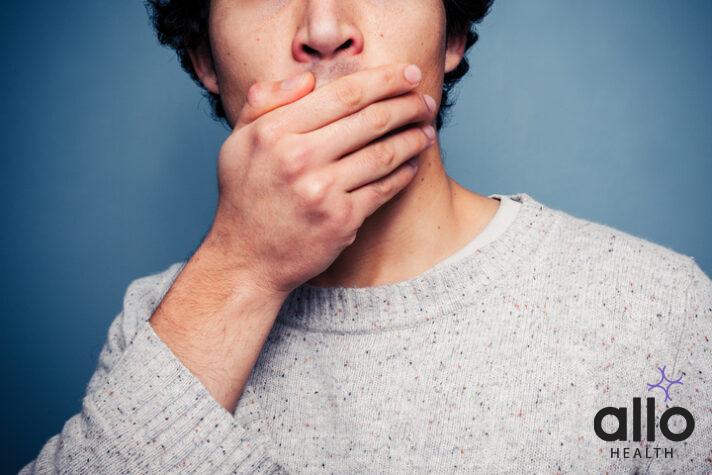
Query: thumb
[[265, 96]]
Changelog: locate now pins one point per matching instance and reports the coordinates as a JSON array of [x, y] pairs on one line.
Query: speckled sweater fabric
[[494, 363]]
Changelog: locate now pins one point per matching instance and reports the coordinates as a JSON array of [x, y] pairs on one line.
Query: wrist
[[235, 275]]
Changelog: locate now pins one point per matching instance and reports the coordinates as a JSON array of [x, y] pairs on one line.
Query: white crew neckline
[[440, 290], [505, 215]]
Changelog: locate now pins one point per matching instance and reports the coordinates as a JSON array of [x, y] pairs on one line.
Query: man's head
[[227, 45]]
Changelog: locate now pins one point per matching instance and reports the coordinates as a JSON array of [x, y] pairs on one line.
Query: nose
[[326, 31]]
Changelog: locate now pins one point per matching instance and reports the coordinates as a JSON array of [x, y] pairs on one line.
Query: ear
[[202, 60], [454, 52]]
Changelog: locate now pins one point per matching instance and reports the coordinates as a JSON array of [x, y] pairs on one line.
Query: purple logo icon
[[621, 413], [663, 378]]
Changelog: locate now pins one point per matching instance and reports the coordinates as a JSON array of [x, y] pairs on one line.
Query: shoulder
[[591, 264], [699, 297], [641, 281], [610, 259]]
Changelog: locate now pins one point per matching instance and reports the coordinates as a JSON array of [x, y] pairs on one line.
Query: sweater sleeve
[[145, 412]]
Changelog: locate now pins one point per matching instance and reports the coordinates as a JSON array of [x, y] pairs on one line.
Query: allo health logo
[[664, 385]]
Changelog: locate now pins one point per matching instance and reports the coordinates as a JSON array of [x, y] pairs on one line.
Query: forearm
[[215, 320], [146, 412]]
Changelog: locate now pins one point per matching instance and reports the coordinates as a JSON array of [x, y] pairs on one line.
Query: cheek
[[412, 30], [246, 51], [418, 40], [234, 61]]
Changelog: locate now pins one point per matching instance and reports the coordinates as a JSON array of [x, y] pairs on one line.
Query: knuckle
[[382, 188], [348, 237], [384, 154], [350, 94], [388, 77], [377, 118], [293, 161], [352, 237], [265, 133], [313, 191], [229, 144], [420, 140], [253, 94]]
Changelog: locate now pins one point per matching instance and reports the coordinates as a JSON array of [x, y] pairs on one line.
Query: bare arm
[[216, 322]]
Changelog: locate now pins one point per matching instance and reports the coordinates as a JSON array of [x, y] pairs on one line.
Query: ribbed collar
[[445, 288]]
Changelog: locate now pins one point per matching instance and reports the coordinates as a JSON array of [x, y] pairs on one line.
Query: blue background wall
[[602, 109]]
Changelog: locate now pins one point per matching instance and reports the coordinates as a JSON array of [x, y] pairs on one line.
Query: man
[[354, 309]]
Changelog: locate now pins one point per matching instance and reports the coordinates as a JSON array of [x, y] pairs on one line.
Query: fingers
[[380, 158], [265, 96], [367, 199], [346, 95], [358, 130]]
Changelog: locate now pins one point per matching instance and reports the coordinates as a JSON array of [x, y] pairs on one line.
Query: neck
[[429, 220]]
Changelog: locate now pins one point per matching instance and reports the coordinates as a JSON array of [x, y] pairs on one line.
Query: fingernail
[[429, 130], [293, 82], [412, 73]]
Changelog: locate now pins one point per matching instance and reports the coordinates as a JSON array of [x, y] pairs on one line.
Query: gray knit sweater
[[497, 362]]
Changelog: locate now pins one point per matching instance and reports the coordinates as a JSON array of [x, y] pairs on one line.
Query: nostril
[[315, 52], [309, 50]]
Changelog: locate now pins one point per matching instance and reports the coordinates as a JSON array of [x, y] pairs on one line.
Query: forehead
[[364, 10]]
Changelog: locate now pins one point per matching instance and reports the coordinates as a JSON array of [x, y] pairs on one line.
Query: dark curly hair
[[183, 24]]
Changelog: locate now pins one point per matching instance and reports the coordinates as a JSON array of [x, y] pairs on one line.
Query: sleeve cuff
[[162, 417]]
